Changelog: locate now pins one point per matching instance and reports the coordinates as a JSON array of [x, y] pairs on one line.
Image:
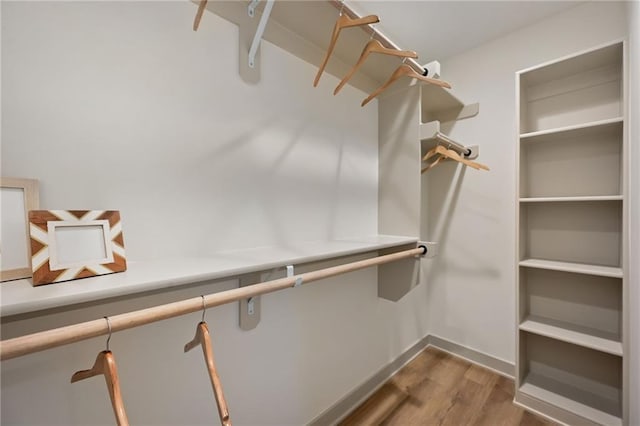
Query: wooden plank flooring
[[437, 388]]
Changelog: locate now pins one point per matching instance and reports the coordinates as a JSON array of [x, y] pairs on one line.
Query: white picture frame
[[17, 197]]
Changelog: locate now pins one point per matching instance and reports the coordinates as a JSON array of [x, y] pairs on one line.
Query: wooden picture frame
[[17, 197], [71, 244]]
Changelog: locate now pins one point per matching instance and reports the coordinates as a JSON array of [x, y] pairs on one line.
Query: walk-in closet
[[320, 212]]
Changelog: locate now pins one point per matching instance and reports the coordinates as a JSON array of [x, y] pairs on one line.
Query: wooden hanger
[[343, 22], [105, 364], [401, 71], [457, 157], [373, 46], [431, 165], [203, 338], [449, 153], [201, 7], [433, 151]]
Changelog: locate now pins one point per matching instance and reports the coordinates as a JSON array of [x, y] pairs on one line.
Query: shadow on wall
[[439, 202], [265, 196], [440, 199]]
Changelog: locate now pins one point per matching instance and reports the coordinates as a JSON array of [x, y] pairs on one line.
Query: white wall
[[121, 105], [471, 294], [634, 196]]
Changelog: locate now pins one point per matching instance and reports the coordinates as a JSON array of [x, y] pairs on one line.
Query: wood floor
[[437, 388]]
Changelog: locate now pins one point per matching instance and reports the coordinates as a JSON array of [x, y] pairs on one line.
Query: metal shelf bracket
[[255, 44]]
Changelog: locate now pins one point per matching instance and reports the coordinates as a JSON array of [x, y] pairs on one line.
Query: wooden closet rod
[[369, 29], [23, 345]]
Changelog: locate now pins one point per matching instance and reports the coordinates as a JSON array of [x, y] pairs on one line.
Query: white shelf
[[574, 131], [291, 29], [533, 386], [570, 333], [440, 104], [428, 130], [573, 64], [19, 297], [574, 161], [579, 268], [571, 199]]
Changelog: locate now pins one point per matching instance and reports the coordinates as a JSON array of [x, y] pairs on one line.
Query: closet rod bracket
[[255, 44], [250, 307], [474, 152], [431, 248], [291, 273], [251, 9]]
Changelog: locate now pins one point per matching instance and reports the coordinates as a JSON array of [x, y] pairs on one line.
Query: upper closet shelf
[[304, 28], [442, 105], [578, 91], [19, 297]]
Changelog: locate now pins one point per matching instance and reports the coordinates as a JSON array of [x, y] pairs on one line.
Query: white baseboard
[[500, 366], [344, 406]]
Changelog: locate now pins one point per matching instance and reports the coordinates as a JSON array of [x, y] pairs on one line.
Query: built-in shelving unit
[[571, 245]]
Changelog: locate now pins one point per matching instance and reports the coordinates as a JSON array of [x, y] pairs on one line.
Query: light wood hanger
[[201, 7], [203, 339], [105, 365], [401, 71], [433, 151], [431, 165], [343, 22], [373, 46], [449, 153], [457, 157]]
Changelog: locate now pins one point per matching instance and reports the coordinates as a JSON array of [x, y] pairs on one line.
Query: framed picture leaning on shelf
[[17, 197]]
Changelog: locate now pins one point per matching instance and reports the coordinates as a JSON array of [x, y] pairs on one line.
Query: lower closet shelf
[[539, 387], [570, 333]]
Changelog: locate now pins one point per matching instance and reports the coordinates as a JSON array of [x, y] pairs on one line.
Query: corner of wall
[[633, 17]]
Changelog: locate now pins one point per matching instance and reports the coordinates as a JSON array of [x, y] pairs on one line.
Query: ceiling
[[439, 29]]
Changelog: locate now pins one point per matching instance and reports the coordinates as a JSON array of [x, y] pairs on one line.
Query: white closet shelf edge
[[577, 127], [555, 330], [579, 268], [571, 199], [19, 296]]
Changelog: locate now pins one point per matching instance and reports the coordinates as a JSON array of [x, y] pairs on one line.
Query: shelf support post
[[250, 308], [251, 9]]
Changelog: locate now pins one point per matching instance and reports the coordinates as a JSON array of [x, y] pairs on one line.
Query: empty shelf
[[539, 387], [574, 131], [571, 199], [570, 333], [580, 268]]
